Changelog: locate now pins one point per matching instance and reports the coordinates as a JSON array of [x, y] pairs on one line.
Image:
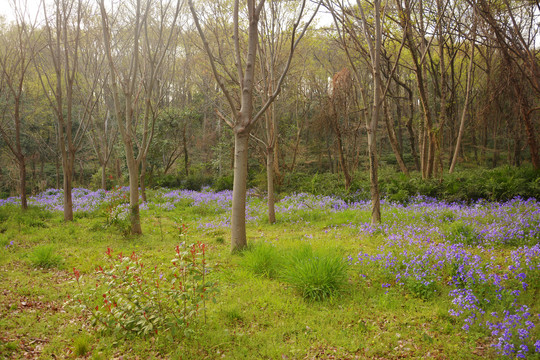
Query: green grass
[[263, 259], [316, 275], [81, 345], [45, 256], [266, 307]]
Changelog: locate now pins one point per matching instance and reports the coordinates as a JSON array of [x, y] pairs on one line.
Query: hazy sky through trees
[[34, 6]]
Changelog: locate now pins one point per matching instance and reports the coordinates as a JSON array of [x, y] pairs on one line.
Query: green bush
[[132, 298], [223, 183], [196, 182], [45, 257], [315, 275], [167, 181]]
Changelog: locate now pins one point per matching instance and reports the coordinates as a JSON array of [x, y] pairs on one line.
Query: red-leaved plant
[[131, 298]]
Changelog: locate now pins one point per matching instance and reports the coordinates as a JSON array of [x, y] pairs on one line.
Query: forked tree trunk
[[238, 223]]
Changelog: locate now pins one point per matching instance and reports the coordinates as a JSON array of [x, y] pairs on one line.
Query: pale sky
[[35, 6], [8, 12]]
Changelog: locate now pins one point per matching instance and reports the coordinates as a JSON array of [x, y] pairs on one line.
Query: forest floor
[[433, 280]]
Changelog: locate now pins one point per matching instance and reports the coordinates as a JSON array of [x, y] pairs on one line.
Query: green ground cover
[[434, 280]]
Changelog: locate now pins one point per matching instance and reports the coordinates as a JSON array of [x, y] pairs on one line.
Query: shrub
[[45, 257], [117, 212], [223, 183], [315, 275], [196, 181], [262, 259], [134, 299]]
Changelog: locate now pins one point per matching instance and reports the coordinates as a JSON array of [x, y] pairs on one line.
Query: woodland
[[335, 156]]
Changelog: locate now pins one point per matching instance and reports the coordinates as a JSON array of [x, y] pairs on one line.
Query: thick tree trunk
[[238, 220]]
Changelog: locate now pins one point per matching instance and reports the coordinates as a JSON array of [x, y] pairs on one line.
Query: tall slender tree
[[18, 48], [134, 87], [242, 106]]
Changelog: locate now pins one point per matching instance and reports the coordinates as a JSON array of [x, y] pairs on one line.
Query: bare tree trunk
[[374, 171], [297, 143], [68, 200], [103, 177], [270, 185], [375, 46], [142, 179], [133, 171], [342, 160], [238, 223], [524, 109], [22, 174], [186, 154], [393, 140], [242, 106], [466, 104], [57, 166]]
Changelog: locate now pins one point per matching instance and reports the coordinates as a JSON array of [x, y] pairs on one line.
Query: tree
[[242, 107], [369, 32], [133, 86], [467, 96], [515, 31], [16, 56], [59, 69]]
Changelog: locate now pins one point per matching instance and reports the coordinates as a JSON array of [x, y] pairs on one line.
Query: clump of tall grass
[[263, 259], [45, 257], [315, 274]]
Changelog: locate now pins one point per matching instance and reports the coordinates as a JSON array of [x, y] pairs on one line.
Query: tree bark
[[466, 104], [393, 139], [22, 174], [238, 223], [103, 177], [133, 171], [270, 184]]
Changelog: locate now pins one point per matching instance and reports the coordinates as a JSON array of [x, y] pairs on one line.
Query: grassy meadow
[[434, 280]]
